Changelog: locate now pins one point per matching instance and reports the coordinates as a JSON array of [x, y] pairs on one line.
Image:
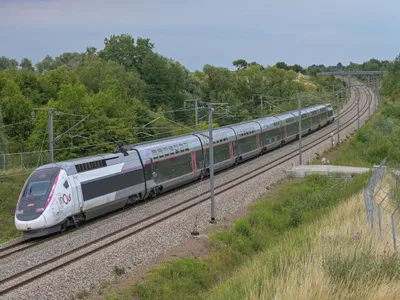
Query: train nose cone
[[35, 224]]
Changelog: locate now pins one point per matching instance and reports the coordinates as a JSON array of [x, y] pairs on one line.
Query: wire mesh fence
[[382, 205], [22, 161]]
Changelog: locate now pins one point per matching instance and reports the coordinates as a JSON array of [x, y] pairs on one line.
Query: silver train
[[67, 193]]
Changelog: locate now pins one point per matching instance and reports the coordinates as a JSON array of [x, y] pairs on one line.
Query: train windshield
[[36, 193], [37, 188]]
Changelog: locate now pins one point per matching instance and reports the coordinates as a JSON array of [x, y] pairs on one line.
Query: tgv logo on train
[[66, 193]]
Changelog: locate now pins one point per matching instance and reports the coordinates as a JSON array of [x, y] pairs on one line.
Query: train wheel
[[64, 226]]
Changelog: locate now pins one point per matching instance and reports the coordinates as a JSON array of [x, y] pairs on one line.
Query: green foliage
[[26, 64], [3, 138], [6, 63], [10, 187], [375, 141], [183, 278]]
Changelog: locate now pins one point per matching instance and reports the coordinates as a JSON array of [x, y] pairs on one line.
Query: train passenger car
[[224, 142], [273, 132], [290, 124], [248, 140], [314, 113], [171, 162]]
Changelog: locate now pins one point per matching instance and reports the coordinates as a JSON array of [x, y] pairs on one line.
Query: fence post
[[379, 216], [394, 230]]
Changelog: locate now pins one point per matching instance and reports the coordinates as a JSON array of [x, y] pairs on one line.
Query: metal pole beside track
[[51, 144], [338, 117], [211, 160], [299, 107], [196, 114], [358, 113]]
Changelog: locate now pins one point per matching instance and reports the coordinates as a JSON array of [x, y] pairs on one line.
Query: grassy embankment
[[288, 211], [285, 248], [10, 188]]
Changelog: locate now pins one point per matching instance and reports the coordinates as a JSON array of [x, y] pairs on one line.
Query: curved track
[[30, 274]]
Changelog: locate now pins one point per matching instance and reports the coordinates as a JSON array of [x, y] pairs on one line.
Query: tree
[[240, 64], [297, 68], [26, 64], [68, 59], [94, 71], [45, 65], [3, 137], [16, 110], [6, 63], [282, 65], [165, 79], [91, 50], [122, 49]]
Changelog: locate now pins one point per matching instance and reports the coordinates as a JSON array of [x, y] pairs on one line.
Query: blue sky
[[204, 31]]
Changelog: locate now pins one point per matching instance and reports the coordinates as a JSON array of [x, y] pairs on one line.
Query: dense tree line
[[127, 93]]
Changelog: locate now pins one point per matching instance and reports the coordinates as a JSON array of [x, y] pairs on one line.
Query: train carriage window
[[181, 147], [171, 150], [176, 147], [166, 151], [186, 146], [160, 153], [154, 154]]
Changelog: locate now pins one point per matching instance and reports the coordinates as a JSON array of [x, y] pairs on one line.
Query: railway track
[[57, 262], [23, 245]]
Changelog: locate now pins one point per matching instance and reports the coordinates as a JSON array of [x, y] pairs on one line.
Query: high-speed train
[[66, 193]]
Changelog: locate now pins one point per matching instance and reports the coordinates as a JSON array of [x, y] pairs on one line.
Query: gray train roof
[[69, 165], [246, 125], [164, 142]]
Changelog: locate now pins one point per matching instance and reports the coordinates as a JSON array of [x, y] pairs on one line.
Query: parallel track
[[7, 251], [128, 231]]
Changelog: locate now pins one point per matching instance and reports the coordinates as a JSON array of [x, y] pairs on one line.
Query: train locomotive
[[66, 193]]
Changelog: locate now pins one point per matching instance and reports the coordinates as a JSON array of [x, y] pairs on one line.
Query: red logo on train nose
[[31, 204]]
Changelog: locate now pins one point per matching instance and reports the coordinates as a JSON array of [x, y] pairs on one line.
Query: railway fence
[[382, 205], [23, 160]]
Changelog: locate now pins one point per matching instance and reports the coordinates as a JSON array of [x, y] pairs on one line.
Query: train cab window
[[160, 153], [66, 185], [154, 154], [37, 188]]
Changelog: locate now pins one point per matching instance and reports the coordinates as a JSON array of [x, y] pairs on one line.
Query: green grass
[[295, 203], [10, 188], [379, 138]]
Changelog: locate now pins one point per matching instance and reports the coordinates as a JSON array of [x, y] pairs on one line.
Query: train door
[[77, 194]]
